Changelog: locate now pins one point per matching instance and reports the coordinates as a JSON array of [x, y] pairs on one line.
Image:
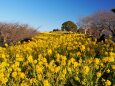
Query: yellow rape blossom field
[[58, 59]]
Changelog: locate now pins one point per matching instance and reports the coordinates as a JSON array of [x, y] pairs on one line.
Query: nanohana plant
[[54, 59]]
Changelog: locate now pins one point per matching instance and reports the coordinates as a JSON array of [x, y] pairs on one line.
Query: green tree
[[69, 26]]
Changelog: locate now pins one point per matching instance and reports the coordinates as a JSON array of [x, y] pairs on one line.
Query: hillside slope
[[54, 59]]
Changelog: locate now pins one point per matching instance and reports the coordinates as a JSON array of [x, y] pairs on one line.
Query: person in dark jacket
[[102, 38], [26, 40], [113, 10]]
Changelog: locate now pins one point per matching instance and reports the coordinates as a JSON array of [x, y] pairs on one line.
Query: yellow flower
[[57, 69], [46, 83], [51, 69], [69, 63], [78, 54], [82, 47], [18, 69], [30, 58], [2, 75], [17, 64], [112, 54], [3, 56], [63, 62], [72, 60], [76, 64], [113, 67], [98, 74], [83, 83], [49, 52], [96, 60], [110, 36], [80, 61], [96, 66], [108, 71], [4, 80], [64, 58], [28, 49], [76, 78], [111, 59], [24, 84], [64, 71], [44, 60], [51, 63], [69, 70], [105, 59], [9, 69], [38, 69], [4, 64], [32, 80], [86, 70], [6, 44], [39, 76], [57, 57], [107, 83], [17, 55], [19, 59], [35, 61], [49, 75], [106, 53], [14, 74], [22, 75], [89, 61], [101, 64]]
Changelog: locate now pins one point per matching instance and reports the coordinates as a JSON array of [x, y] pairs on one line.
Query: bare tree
[[13, 32], [100, 20]]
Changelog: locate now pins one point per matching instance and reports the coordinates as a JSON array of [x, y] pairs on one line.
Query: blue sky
[[49, 14]]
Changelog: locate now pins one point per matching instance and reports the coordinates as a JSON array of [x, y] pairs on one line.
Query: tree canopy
[[69, 26]]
